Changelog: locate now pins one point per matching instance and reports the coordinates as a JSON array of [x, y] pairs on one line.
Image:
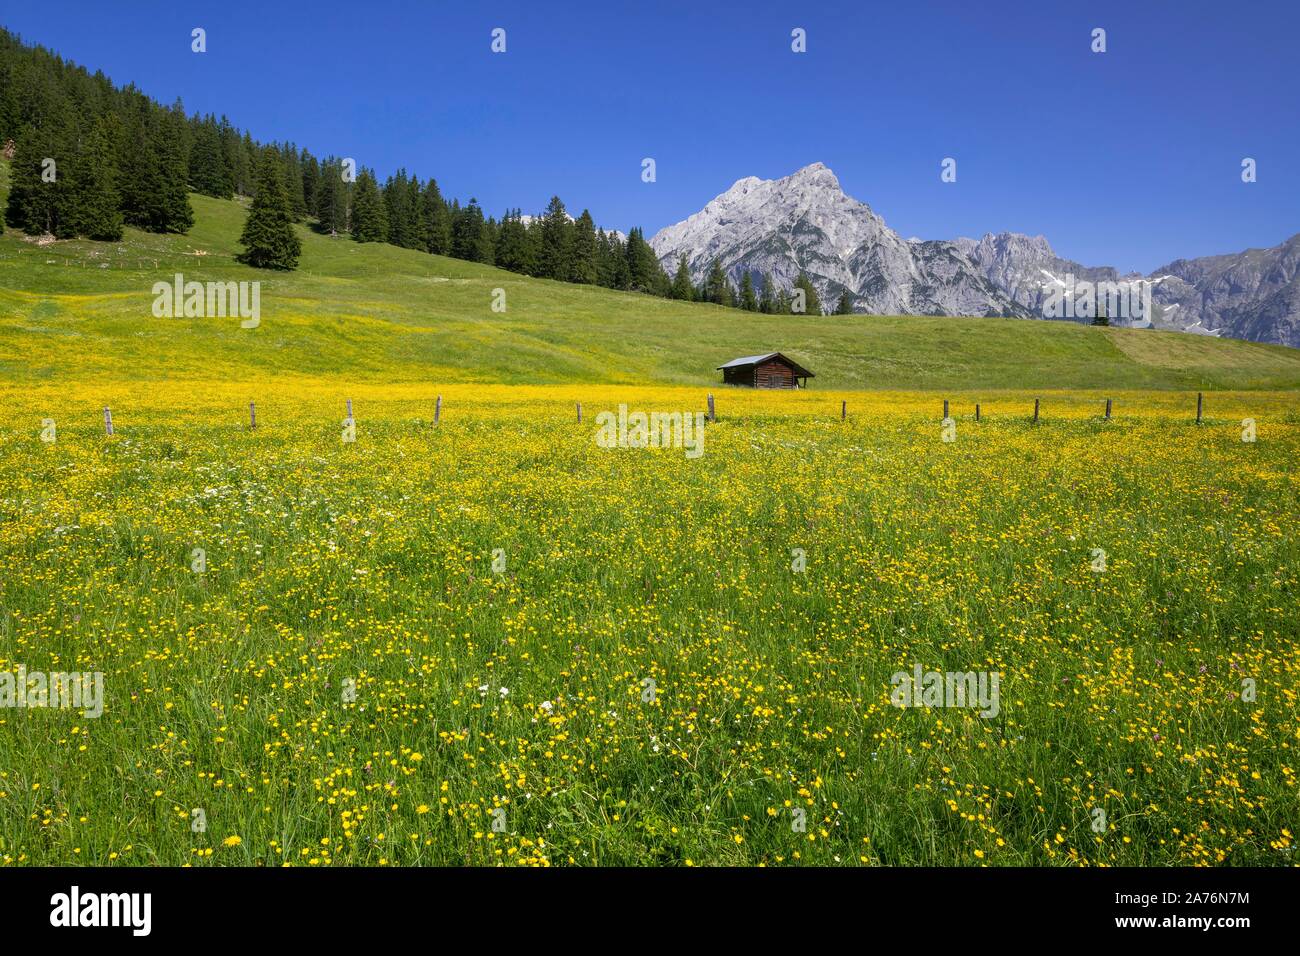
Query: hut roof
[[799, 370]]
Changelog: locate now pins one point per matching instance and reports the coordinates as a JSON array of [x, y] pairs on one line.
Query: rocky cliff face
[[806, 223]]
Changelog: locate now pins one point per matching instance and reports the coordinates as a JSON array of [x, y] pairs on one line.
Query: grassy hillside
[[81, 311]]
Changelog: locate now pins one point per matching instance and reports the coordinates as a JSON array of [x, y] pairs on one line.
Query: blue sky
[[1128, 158]]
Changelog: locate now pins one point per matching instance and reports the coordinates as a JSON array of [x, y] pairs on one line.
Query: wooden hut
[[772, 370]]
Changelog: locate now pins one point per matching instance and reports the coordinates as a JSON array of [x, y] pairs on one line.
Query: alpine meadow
[[344, 522]]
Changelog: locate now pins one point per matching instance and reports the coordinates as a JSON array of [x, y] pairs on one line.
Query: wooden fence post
[[108, 421], [712, 415], [579, 413], [252, 415], [1199, 404], [437, 410], [349, 408], [1035, 411], [844, 410], [1108, 409], [977, 411], [945, 408]]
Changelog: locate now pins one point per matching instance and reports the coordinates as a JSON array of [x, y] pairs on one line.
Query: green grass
[[370, 565], [78, 311]]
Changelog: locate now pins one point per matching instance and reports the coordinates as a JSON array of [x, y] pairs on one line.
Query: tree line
[[91, 157]]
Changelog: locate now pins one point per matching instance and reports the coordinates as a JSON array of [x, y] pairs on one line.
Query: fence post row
[[712, 414]]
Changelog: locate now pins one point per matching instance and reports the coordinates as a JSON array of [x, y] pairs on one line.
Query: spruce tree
[[812, 305], [369, 216], [268, 238], [845, 305], [291, 171], [644, 272], [35, 204], [310, 181], [622, 275], [583, 269], [437, 220], [97, 214], [331, 198], [682, 288], [555, 260], [171, 141], [715, 284], [512, 244], [401, 218], [767, 295], [748, 301], [207, 172]]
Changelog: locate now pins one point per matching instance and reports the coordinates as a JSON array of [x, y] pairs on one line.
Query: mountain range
[[805, 223]]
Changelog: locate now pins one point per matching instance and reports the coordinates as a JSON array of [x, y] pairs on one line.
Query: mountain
[[1253, 295], [805, 222], [1026, 267]]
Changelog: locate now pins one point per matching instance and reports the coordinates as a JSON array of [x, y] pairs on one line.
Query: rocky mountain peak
[[805, 223]]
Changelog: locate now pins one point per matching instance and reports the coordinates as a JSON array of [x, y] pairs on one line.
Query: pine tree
[[369, 215], [471, 235], [236, 159], [35, 204], [622, 275], [845, 305], [207, 171], [401, 217], [748, 301], [171, 141], [606, 268], [437, 220], [419, 229], [583, 268], [555, 259], [512, 244], [97, 213], [644, 272], [715, 284], [268, 238], [310, 181], [812, 305], [331, 198], [767, 295], [292, 173], [682, 288]]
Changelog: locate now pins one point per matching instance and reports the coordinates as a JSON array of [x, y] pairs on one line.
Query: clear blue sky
[[1128, 158]]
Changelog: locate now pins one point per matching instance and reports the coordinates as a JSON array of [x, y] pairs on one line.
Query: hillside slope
[[77, 311]]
